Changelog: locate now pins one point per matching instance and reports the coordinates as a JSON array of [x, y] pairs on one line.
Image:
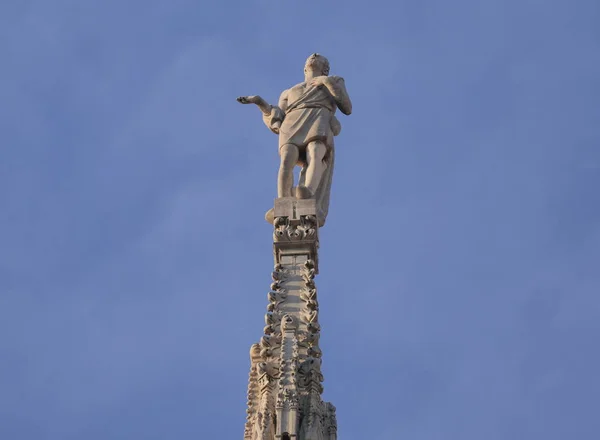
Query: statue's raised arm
[[305, 121], [336, 86]]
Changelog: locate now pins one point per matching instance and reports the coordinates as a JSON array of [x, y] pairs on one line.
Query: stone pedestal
[[296, 232], [284, 392]]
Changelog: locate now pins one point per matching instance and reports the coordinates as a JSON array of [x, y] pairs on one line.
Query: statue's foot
[[303, 192], [270, 216]]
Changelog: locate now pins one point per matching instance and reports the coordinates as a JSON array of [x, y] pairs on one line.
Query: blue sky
[[460, 263]]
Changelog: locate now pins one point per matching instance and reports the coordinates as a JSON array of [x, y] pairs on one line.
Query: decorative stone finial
[[288, 323]]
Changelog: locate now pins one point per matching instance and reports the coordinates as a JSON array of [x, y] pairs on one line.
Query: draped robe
[[306, 113]]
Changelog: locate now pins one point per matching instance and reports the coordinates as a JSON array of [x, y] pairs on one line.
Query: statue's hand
[[253, 99], [248, 99], [320, 81]]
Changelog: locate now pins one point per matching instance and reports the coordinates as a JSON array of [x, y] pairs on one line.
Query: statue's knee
[[317, 150], [289, 155]]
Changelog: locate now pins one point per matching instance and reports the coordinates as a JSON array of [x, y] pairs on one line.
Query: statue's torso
[[310, 96]]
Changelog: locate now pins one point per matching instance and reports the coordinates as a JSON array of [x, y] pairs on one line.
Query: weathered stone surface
[[296, 232], [306, 124], [284, 393], [285, 382]]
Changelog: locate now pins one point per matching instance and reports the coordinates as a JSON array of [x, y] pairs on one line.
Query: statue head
[[316, 65]]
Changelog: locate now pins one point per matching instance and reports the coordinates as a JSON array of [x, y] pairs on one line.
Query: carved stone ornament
[[287, 230], [285, 382], [288, 323]]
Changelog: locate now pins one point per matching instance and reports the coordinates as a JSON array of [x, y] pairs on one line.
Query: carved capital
[[290, 231], [287, 397]]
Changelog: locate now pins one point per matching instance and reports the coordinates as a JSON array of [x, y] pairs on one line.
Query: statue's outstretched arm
[[272, 115], [263, 105]]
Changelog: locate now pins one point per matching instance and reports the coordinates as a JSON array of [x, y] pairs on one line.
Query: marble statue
[[305, 121]]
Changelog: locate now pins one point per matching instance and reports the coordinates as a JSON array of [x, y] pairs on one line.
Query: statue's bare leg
[[315, 152], [285, 181]]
